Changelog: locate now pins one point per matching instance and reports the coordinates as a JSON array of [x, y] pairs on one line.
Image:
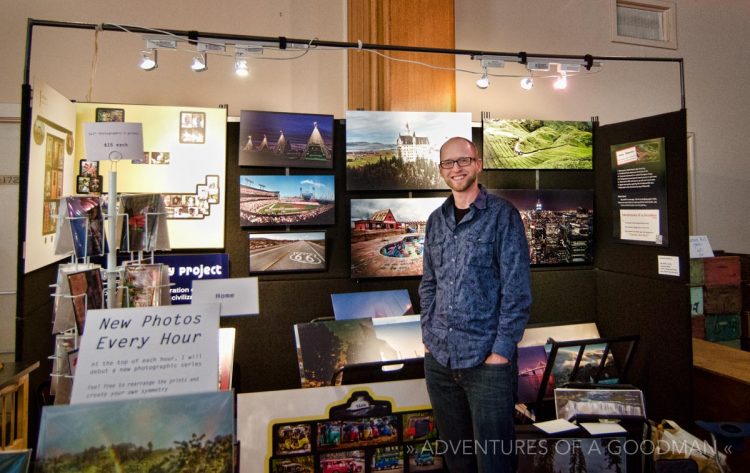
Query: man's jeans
[[474, 414]]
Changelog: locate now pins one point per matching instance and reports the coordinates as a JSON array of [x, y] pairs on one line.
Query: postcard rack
[[379, 371], [626, 343]]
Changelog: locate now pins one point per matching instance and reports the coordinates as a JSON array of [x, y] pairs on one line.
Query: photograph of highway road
[[270, 252]]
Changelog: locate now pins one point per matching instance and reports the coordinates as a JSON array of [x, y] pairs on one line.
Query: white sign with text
[[669, 265], [237, 296], [113, 140], [700, 247], [147, 352], [640, 225], [627, 155]]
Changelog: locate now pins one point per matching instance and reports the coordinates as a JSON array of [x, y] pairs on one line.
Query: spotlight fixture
[[561, 83], [484, 81], [202, 48], [200, 62], [148, 60], [241, 53], [240, 65], [527, 83], [487, 61]]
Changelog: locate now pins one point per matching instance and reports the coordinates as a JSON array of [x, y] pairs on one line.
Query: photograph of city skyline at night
[[294, 140], [287, 200], [559, 224]]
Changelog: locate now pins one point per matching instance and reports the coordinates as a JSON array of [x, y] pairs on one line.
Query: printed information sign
[[147, 352]]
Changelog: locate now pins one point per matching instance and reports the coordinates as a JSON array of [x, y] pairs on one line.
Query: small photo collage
[[395, 443], [88, 180]]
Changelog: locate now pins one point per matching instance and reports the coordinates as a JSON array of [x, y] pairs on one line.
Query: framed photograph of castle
[[537, 144], [287, 200], [387, 236], [399, 150], [286, 140], [287, 251], [559, 224]]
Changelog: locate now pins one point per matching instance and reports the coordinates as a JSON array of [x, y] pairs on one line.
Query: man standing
[[475, 296]]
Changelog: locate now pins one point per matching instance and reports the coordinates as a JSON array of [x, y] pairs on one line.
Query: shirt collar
[[480, 202]]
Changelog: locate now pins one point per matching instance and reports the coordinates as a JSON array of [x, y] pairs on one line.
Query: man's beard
[[462, 186]]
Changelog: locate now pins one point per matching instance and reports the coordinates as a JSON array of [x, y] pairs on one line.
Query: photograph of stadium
[[387, 236], [293, 140], [287, 200], [559, 224], [537, 144], [399, 150], [271, 252]]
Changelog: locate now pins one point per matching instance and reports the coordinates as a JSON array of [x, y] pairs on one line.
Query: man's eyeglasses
[[463, 162]]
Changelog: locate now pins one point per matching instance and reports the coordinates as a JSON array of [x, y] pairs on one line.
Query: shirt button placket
[[453, 260]]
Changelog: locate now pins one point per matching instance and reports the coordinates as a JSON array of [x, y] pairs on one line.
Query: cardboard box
[[722, 300], [696, 300], [721, 271], [720, 328], [699, 326]]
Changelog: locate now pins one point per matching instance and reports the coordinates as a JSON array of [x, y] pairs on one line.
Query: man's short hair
[[465, 140]]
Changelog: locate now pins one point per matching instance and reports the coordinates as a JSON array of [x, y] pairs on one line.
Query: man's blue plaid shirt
[[475, 291]]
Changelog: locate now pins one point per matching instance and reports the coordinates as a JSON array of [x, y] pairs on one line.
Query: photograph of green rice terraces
[[537, 144]]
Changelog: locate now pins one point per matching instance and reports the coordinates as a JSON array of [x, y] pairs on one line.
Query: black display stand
[[379, 371], [624, 345]]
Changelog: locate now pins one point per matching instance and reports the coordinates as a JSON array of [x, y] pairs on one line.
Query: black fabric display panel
[[632, 298], [659, 311], [616, 255]]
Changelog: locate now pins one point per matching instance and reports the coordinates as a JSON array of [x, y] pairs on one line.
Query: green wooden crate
[[722, 327]]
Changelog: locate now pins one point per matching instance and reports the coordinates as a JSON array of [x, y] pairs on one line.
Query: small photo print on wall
[[275, 139], [110, 114], [83, 184], [192, 127], [294, 252], [88, 168], [287, 200]]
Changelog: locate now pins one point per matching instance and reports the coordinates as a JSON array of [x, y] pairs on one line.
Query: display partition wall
[[622, 291]]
